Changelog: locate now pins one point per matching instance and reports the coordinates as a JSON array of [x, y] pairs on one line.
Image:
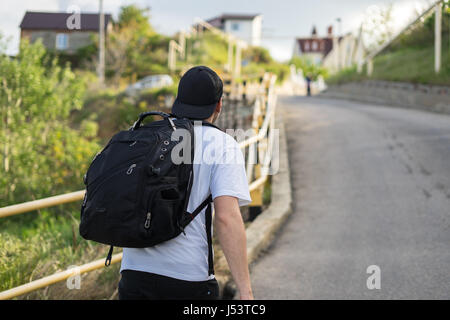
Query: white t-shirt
[[219, 169]]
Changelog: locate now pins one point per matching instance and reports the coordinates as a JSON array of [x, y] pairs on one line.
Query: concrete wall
[[406, 95]]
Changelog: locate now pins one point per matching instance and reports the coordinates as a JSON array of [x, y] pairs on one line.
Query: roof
[[324, 45], [58, 21], [230, 16], [219, 20]]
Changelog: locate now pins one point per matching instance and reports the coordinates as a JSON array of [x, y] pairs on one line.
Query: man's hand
[[231, 234], [248, 296]]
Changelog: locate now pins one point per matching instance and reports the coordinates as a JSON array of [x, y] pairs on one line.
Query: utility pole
[[438, 38], [101, 45]]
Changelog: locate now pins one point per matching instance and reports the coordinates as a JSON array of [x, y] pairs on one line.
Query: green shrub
[[41, 154]]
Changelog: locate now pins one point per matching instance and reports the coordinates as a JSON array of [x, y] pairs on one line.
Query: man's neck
[[213, 118], [210, 120]]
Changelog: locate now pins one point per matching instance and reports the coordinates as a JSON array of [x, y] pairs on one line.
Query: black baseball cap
[[199, 91]]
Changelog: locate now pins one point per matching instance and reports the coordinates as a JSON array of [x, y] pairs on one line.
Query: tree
[[40, 154], [138, 19], [378, 25], [133, 48]]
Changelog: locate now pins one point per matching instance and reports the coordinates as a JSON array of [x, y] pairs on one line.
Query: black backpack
[[136, 196]]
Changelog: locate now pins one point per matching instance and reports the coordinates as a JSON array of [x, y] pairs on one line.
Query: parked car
[[150, 82]]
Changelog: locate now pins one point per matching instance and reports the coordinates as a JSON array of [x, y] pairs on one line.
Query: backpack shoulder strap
[[208, 223], [204, 123], [188, 217]]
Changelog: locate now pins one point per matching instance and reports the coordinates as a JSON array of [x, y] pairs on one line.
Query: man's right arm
[[230, 231]]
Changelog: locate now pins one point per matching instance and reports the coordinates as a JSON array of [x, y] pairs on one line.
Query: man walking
[[181, 268]]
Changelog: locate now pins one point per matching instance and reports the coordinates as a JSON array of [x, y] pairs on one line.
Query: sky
[[283, 20]]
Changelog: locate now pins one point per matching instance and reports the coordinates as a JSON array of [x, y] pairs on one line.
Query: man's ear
[[219, 106]]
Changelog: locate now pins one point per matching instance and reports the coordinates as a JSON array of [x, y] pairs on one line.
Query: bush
[[41, 155]]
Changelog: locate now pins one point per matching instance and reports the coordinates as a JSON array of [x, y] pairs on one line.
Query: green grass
[[38, 244], [414, 65]]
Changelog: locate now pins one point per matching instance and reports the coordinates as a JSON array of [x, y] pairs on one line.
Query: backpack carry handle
[[142, 116]]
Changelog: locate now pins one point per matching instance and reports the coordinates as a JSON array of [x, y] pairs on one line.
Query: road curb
[[262, 230]]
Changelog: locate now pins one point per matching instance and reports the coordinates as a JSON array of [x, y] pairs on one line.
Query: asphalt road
[[371, 186]]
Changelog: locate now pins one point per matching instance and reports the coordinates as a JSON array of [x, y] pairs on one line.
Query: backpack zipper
[[130, 169], [147, 221], [106, 176], [119, 166]]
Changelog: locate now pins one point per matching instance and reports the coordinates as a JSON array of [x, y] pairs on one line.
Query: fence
[[262, 122]]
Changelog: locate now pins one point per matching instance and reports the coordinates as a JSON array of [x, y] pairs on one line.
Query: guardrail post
[[438, 38], [255, 207]]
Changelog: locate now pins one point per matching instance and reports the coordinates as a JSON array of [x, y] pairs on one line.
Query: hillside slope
[[410, 58]]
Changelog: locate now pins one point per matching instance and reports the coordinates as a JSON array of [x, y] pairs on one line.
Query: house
[[346, 52], [246, 27], [331, 52], [314, 48], [58, 32]]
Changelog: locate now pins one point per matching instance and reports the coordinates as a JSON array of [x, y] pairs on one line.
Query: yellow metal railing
[[41, 203], [263, 122]]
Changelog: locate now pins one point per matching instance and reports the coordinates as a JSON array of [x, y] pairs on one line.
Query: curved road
[[371, 186]]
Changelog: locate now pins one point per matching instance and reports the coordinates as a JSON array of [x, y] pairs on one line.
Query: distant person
[[182, 268], [308, 85]]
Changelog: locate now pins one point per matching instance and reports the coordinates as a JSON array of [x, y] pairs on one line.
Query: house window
[[314, 46], [62, 41], [235, 26], [306, 46]]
